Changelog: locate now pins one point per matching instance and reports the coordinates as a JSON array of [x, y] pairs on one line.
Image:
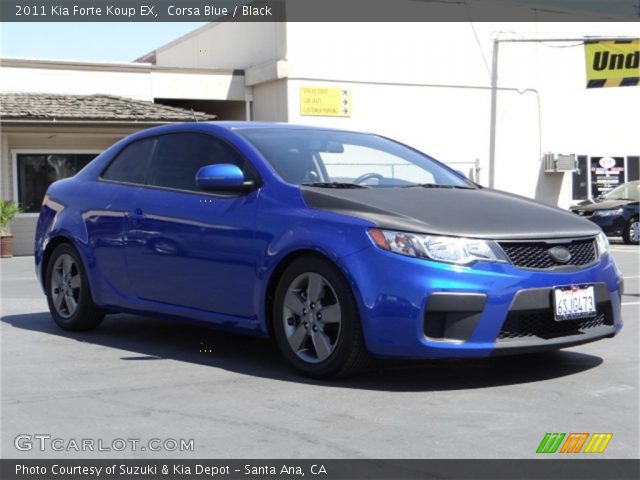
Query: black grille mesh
[[542, 324], [536, 254]]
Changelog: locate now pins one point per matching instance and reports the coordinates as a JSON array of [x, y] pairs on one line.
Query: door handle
[[137, 216]]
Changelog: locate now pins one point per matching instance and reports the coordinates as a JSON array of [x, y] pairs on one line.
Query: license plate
[[574, 302]]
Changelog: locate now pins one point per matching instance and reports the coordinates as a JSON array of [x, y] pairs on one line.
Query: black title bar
[[314, 10], [548, 469]]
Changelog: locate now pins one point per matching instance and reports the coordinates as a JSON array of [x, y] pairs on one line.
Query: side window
[[179, 156], [132, 163]]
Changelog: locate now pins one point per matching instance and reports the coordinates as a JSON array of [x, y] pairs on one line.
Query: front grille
[[541, 324], [536, 254]]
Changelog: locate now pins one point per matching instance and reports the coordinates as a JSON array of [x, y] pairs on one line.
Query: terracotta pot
[[6, 246]]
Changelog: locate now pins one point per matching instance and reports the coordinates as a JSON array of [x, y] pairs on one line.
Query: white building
[[425, 84]]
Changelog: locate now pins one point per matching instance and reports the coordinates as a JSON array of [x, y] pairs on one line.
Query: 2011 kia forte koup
[[340, 245]]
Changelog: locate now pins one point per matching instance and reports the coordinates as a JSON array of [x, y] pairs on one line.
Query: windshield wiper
[[334, 185], [437, 185]]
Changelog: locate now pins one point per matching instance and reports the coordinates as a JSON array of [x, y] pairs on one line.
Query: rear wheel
[[316, 321], [67, 290], [631, 234]]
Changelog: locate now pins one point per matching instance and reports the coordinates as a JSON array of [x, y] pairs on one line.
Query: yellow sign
[[612, 63], [325, 102]]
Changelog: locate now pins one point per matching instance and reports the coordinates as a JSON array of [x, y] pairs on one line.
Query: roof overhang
[[143, 81]]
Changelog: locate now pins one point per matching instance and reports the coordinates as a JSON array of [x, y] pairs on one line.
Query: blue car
[[342, 246]]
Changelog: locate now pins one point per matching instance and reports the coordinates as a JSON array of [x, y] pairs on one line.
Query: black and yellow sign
[[612, 63], [325, 101]]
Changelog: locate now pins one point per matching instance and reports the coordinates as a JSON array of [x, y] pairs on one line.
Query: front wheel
[[67, 289], [316, 321], [631, 234]]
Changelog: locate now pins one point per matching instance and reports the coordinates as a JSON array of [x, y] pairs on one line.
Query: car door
[[111, 198], [188, 247]]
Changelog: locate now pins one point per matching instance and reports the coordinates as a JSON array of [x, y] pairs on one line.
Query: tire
[[316, 321], [631, 234], [68, 292]]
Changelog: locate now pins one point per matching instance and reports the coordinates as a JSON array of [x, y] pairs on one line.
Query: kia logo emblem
[[560, 254]]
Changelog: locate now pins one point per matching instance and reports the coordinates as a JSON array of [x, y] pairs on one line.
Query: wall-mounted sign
[[325, 101], [606, 174], [613, 63]]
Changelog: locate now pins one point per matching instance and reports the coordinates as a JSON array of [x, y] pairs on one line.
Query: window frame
[[220, 194], [40, 151]]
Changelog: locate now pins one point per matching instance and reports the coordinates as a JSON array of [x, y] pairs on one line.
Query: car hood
[[590, 205], [475, 213]]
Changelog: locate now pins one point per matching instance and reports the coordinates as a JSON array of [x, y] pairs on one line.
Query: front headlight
[[603, 244], [608, 213], [459, 251]]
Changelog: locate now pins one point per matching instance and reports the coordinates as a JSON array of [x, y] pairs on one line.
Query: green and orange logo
[[573, 442]]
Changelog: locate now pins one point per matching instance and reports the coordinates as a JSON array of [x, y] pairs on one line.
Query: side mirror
[[223, 176]]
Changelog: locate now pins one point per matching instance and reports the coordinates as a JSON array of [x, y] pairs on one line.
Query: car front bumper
[[612, 225], [414, 308]]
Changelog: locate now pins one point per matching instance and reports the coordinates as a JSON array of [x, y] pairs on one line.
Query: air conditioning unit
[[559, 163]]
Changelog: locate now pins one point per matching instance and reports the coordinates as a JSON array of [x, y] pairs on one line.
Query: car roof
[[238, 125], [632, 182], [231, 126], [243, 125]]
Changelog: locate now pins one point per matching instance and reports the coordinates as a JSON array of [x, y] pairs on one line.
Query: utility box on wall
[[560, 163]]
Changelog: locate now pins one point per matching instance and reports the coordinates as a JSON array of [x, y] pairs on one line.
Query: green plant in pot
[[8, 210]]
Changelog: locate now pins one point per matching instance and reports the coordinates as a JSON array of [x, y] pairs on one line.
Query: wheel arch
[[283, 264], [48, 251], [52, 244]]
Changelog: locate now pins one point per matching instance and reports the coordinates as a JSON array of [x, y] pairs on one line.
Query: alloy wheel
[[65, 285], [312, 317], [634, 231]]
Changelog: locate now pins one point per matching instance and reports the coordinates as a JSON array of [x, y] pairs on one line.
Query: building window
[[36, 171], [633, 168], [580, 179], [592, 179]]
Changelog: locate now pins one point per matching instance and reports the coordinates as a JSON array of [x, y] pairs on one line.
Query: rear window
[[132, 163]]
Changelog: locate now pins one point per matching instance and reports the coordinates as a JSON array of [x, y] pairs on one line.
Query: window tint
[[132, 163], [179, 156]]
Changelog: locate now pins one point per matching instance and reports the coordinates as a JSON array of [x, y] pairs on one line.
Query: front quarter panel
[[287, 227]]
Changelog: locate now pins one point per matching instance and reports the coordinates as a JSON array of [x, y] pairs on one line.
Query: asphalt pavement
[[139, 379]]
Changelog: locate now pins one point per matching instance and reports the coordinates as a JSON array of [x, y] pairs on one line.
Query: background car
[[616, 212], [340, 245]]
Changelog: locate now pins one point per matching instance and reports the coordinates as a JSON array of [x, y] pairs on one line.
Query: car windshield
[[626, 191], [335, 159]]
